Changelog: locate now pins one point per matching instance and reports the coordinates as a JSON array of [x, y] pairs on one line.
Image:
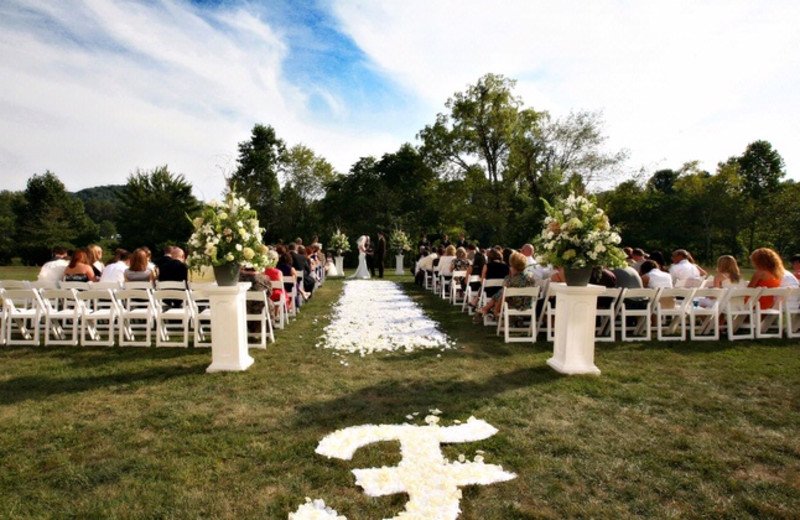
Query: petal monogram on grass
[[377, 316]]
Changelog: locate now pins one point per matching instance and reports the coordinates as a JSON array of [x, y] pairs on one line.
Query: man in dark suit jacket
[[380, 253], [173, 269], [166, 257], [302, 265]]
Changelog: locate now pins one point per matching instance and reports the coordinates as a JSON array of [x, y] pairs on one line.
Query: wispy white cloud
[[677, 81]]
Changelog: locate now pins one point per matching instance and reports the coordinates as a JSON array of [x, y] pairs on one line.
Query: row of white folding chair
[[456, 294], [134, 313]]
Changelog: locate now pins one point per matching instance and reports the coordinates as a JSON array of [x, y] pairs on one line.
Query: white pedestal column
[[398, 264], [573, 347], [228, 329], [340, 265]]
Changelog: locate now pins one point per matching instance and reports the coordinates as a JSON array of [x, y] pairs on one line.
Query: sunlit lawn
[[668, 430]]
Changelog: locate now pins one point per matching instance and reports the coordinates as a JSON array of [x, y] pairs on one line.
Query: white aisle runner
[[377, 316]]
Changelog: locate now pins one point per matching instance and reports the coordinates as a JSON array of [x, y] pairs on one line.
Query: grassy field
[[670, 430]]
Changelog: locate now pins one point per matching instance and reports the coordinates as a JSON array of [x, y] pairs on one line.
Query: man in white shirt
[[115, 271], [52, 272], [682, 268]]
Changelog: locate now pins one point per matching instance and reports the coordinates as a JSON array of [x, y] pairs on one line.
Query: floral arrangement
[[577, 234], [339, 243], [226, 233], [399, 242]]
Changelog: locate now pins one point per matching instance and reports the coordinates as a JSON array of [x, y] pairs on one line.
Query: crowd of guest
[[643, 270]]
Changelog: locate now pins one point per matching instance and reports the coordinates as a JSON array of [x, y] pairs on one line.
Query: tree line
[[482, 168]]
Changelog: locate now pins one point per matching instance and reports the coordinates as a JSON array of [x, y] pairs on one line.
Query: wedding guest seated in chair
[[79, 268], [494, 268], [769, 272], [517, 276]]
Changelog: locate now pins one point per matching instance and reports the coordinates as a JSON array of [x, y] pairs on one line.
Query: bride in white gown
[[362, 271]]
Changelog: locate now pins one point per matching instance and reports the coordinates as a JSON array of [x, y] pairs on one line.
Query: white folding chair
[[137, 314], [469, 294], [635, 314], [263, 318], [62, 316], [738, 308], [792, 309], [769, 321], [671, 309], [39, 285], [180, 286], [107, 285], [99, 313], [17, 284], [514, 331], [78, 286], [483, 299], [542, 307], [291, 311], [607, 316], [172, 320], [138, 285], [455, 287], [435, 279], [703, 322], [201, 317], [23, 310]]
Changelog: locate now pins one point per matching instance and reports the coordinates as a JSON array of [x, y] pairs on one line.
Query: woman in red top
[[274, 275], [769, 272]]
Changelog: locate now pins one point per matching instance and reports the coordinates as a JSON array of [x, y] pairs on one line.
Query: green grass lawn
[[670, 430]]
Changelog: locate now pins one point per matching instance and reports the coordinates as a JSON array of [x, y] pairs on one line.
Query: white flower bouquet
[[226, 233], [399, 242], [339, 243], [577, 234]]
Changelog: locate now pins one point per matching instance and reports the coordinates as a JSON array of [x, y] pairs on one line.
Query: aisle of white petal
[[377, 316]]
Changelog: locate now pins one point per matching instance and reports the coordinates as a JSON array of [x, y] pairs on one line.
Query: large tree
[[153, 209], [48, 216], [260, 161], [761, 168]]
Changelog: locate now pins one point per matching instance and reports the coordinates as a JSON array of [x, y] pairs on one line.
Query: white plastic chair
[[456, 294], [201, 318], [792, 309], [23, 310], [78, 286], [637, 308], [180, 286], [171, 320], [99, 313], [769, 321], [16, 284], [291, 311], [137, 313], [62, 316], [528, 332], [138, 285], [671, 309], [107, 285], [738, 307], [483, 299], [703, 318]]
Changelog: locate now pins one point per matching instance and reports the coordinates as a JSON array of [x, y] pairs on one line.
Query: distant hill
[[100, 193], [101, 202]]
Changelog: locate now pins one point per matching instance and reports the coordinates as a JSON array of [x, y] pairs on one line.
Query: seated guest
[[285, 262], [426, 264], [419, 272], [477, 261], [115, 270], [728, 273], [638, 256], [163, 259], [139, 270], [52, 272], [653, 277], [517, 276], [446, 262], [682, 268], [79, 268], [274, 275], [628, 254], [796, 266], [769, 272], [494, 269], [461, 263], [174, 269], [627, 277], [96, 259]]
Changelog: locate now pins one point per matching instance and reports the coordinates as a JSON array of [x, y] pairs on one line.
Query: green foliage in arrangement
[[669, 430]]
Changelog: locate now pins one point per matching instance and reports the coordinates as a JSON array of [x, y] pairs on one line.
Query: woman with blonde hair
[[96, 259], [769, 272], [728, 273]]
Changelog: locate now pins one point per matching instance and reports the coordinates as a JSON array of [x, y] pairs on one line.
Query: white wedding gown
[[362, 271]]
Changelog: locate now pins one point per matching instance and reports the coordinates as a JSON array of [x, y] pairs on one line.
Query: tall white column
[[340, 265], [228, 328], [573, 347], [398, 264]]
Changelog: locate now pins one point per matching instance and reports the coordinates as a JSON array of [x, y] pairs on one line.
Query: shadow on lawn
[[40, 387], [382, 402]]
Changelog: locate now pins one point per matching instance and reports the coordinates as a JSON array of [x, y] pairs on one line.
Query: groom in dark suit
[[380, 254]]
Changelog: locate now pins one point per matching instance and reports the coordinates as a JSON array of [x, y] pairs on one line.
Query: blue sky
[[95, 89]]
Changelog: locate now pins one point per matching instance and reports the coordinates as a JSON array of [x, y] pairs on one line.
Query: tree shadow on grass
[[383, 402], [41, 387]]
